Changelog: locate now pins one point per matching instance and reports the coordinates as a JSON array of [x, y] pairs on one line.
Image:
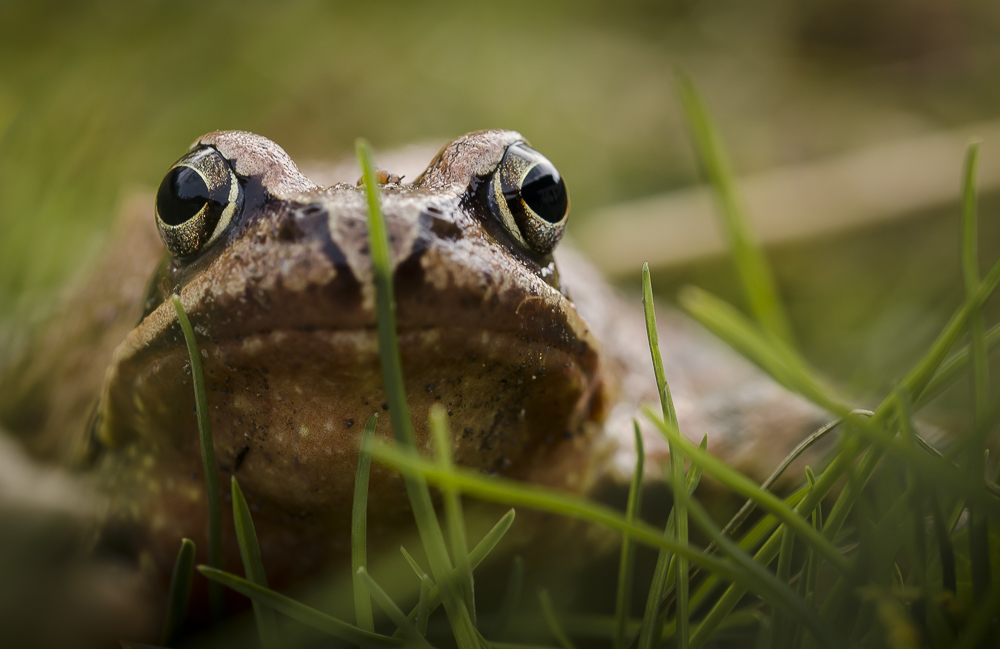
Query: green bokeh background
[[98, 98]]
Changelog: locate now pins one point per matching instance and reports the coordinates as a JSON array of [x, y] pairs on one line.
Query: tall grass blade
[[359, 527], [246, 538], [298, 611], [399, 413], [212, 492], [179, 593], [676, 459], [623, 600], [759, 287]]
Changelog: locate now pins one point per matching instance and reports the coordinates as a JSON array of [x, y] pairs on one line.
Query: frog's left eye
[[530, 197], [196, 202]]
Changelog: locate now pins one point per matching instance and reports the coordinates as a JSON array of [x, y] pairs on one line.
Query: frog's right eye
[[529, 197], [196, 202]]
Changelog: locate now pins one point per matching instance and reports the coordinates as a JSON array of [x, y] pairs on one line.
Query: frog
[[539, 364]]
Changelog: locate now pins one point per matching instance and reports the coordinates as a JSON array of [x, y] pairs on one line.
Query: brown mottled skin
[[283, 307]]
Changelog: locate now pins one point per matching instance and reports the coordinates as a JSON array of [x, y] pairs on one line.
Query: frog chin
[[287, 407]]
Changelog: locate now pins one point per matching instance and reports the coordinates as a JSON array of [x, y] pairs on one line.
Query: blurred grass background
[[99, 98]]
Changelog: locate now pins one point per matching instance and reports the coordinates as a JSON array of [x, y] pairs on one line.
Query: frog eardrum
[[530, 196], [196, 201]]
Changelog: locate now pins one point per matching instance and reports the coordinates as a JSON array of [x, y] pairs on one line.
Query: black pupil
[[544, 192], [182, 194]]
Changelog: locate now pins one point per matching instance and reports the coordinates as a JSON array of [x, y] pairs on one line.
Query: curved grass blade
[[392, 610], [676, 464], [623, 600], [359, 527], [180, 591], [548, 612], [246, 538], [212, 492], [298, 611], [755, 275], [399, 412]]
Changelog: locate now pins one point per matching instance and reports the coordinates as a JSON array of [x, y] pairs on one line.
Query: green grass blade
[[511, 597], [180, 591], [212, 492], [623, 599], [246, 538], [297, 611], [359, 527], [759, 286], [417, 569], [548, 612], [676, 459], [748, 488], [453, 510], [399, 413], [392, 610]]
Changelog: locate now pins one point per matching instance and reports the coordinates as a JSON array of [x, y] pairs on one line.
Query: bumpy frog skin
[[278, 286]]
